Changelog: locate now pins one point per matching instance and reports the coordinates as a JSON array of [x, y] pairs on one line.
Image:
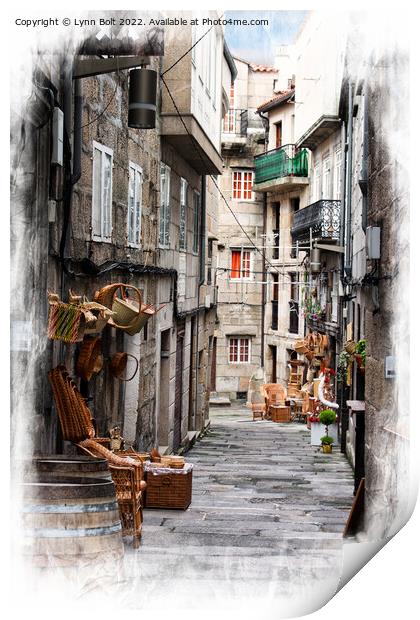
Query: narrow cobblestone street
[[266, 518]]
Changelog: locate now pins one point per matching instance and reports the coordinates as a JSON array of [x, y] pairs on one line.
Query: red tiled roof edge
[[279, 98]]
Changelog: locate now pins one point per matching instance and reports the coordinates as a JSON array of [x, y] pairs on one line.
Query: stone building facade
[[240, 241], [152, 227]]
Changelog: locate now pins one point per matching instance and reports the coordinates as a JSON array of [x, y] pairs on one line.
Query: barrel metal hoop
[[74, 533], [70, 508]]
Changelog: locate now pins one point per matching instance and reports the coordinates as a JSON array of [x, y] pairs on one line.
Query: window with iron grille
[[102, 193], [135, 186], [183, 215], [196, 231], [239, 350], [242, 181], [240, 266], [165, 212]]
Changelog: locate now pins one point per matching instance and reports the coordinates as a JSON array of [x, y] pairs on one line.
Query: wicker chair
[[275, 394], [77, 427]]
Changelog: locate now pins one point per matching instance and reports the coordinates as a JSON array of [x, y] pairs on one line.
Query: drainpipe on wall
[[264, 276], [347, 252], [363, 181]]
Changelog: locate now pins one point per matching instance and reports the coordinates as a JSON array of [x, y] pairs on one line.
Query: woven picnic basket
[[172, 490]]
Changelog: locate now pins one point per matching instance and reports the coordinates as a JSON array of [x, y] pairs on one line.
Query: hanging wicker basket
[[130, 315], [300, 347], [119, 364], [66, 322], [350, 347], [90, 360]]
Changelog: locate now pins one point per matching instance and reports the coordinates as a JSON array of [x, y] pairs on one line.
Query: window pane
[[107, 198], [233, 350], [246, 264], [131, 198], [236, 264], [138, 197], [97, 193], [168, 203], [182, 215]]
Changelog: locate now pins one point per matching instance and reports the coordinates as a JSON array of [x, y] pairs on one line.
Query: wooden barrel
[[70, 521], [59, 465]]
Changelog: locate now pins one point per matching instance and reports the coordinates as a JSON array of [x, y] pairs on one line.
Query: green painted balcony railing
[[282, 162]]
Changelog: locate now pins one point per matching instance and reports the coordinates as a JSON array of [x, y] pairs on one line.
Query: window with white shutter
[[165, 213], [135, 187], [102, 193]]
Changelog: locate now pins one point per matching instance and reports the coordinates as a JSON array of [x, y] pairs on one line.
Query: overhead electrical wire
[[216, 185]]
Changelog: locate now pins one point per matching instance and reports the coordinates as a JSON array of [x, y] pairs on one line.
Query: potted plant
[[327, 417], [360, 354], [318, 429], [326, 444]]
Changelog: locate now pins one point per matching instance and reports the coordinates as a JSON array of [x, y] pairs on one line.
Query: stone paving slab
[[267, 515]]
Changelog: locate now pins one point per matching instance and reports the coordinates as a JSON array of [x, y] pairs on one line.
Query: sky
[[257, 43]]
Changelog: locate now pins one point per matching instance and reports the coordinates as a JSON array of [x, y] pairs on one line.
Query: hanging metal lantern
[[142, 99], [315, 260]]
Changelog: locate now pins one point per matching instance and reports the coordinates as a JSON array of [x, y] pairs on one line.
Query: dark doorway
[[273, 350], [213, 365], [178, 386]]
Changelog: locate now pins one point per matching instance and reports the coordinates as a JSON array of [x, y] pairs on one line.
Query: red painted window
[[242, 185], [241, 264]]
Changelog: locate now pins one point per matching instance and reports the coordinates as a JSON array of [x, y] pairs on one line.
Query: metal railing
[[282, 162], [235, 122], [322, 216]]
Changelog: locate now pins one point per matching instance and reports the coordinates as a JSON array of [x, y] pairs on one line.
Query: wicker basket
[[90, 360], [300, 347], [168, 490], [280, 414], [119, 364], [129, 315]]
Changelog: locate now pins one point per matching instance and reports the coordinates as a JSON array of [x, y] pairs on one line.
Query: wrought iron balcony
[[286, 161], [323, 217], [235, 123]]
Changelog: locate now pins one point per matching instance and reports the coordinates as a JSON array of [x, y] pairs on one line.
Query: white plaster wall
[[319, 67]]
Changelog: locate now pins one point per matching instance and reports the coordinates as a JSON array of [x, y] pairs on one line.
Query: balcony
[[234, 129], [322, 217], [281, 169]]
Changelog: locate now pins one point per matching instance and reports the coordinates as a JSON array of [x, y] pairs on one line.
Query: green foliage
[[343, 361], [327, 440], [327, 417], [361, 349]]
